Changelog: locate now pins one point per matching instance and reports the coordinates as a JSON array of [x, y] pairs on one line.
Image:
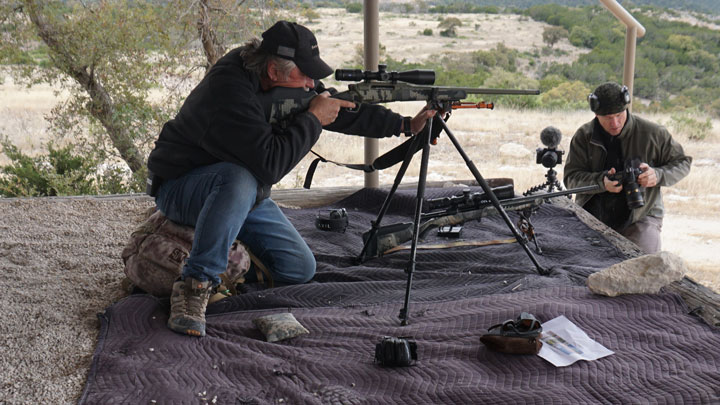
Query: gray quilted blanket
[[662, 354]]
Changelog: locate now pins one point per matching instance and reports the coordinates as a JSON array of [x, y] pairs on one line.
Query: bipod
[[424, 140]]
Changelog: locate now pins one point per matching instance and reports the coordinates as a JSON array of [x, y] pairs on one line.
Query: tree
[[552, 35], [110, 55], [448, 26]]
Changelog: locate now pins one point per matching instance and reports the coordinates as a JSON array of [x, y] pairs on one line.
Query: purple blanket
[[662, 355]]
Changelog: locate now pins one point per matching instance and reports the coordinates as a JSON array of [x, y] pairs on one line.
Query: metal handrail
[[633, 30]]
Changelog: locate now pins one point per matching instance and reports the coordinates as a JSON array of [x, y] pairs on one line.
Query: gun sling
[[388, 159]]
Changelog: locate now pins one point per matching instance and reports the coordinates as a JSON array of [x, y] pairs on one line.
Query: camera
[[549, 156], [628, 178], [395, 352]]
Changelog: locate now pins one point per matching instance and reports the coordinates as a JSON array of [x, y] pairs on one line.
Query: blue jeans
[[219, 202]]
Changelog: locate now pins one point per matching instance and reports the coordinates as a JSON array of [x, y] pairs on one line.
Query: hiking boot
[[187, 306]]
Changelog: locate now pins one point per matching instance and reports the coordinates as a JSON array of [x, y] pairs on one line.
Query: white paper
[[564, 343]]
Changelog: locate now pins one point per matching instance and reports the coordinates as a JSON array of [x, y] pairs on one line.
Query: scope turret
[[417, 76]]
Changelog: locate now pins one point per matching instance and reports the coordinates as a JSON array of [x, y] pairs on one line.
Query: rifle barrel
[[512, 92]]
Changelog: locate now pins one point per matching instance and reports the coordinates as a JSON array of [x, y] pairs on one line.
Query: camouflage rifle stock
[[280, 103]]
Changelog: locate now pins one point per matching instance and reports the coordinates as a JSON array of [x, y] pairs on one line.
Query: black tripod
[[423, 140], [551, 183]]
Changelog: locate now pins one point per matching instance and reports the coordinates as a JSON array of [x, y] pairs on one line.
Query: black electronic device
[[396, 352], [628, 177], [549, 156], [333, 220]]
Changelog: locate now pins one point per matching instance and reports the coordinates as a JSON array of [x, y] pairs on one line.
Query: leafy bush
[[687, 124], [427, 32], [509, 80], [566, 95], [63, 170], [354, 8], [501, 57]]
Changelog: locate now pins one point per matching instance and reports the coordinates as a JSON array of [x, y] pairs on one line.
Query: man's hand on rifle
[[326, 109], [419, 120]]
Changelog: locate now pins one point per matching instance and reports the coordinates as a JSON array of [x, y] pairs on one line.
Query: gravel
[[60, 266]]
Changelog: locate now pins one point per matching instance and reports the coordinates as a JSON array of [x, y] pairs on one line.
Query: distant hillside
[[703, 6]]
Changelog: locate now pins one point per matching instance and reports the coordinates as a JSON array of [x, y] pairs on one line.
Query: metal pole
[[371, 12], [633, 31], [629, 71]]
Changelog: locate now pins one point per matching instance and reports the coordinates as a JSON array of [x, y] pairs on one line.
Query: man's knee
[[302, 271], [237, 182], [646, 233]]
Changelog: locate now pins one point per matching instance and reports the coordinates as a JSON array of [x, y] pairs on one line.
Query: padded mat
[[662, 355]]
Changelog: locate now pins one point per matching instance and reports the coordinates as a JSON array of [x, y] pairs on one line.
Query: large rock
[[641, 275]]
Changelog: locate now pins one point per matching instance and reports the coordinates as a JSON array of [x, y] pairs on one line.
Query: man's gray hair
[[257, 59]]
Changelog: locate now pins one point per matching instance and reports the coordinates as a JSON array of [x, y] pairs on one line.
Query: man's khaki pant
[[646, 234]]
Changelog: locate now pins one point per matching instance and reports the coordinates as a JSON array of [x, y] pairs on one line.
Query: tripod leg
[[404, 312], [495, 202], [386, 204]]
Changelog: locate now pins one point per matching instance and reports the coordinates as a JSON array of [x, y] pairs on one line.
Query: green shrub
[[692, 127], [566, 95], [427, 32], [501, 79], [62, 171], [354, 8]]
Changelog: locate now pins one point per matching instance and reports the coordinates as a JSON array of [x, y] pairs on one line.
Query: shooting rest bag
[[157, 250]]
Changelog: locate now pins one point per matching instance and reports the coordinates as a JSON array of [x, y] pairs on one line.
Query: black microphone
[[550, 137]]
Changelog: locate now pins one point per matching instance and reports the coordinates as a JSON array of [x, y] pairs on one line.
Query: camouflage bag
[[157, 250]]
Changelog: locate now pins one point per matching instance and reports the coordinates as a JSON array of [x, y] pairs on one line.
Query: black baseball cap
[[292, 41]]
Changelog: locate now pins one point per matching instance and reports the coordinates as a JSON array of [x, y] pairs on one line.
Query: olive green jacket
[[651, 142]]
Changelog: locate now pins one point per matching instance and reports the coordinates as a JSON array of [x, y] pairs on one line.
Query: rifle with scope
[[455, 210], [281, 103]]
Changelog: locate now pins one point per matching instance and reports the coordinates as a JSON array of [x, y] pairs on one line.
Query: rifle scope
[[418, 76]]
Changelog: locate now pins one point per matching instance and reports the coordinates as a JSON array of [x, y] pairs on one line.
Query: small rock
[[641, 275]]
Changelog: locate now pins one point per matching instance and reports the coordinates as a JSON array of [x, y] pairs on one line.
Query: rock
[[641, 275], [514, 150]]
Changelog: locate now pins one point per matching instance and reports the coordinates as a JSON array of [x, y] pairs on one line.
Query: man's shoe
[[187, 306]]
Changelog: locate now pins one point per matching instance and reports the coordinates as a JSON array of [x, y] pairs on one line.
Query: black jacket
[[222, 120]]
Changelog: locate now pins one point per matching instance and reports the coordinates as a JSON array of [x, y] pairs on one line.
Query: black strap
[[388, 159]]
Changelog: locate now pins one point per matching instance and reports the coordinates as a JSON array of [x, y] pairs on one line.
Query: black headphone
[[594, 101]]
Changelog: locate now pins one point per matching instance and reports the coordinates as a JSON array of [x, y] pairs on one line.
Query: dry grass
[[501, 143]]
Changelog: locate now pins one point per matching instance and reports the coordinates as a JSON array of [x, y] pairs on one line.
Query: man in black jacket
[[214, 163]]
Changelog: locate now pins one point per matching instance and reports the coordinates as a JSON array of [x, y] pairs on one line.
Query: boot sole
[[185, 330]]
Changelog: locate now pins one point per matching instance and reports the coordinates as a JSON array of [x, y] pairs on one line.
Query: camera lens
[[633, 195], [549, 159]]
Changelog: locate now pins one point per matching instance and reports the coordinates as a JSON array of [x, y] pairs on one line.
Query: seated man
[[214, 163], [610, 143]]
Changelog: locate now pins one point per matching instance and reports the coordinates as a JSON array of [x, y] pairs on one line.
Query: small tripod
[[423, 140], [551, 183]]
